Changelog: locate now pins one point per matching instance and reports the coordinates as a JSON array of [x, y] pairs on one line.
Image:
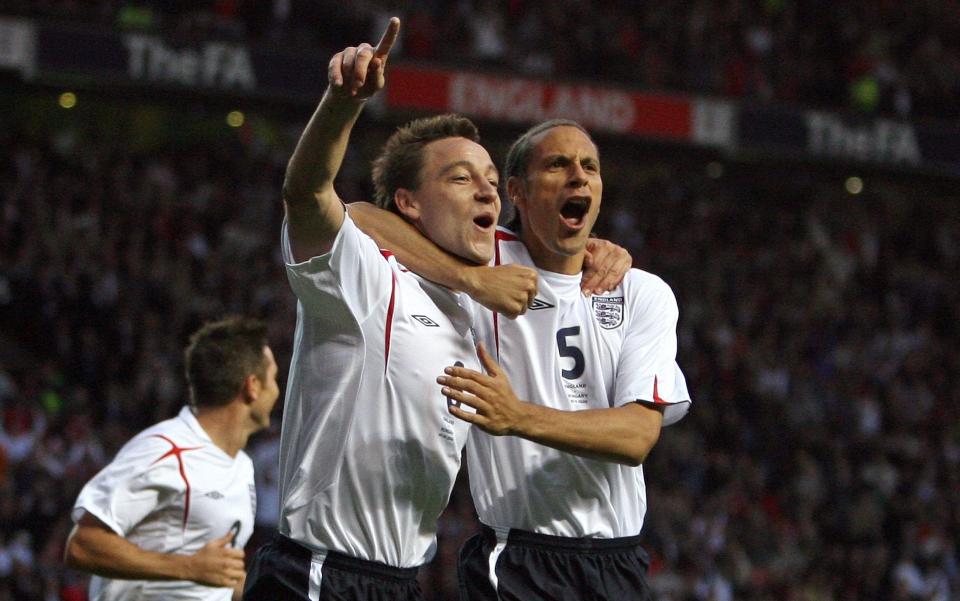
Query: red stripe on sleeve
[[656, 395]]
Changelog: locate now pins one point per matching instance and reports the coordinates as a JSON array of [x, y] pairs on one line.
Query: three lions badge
[[608, 310]]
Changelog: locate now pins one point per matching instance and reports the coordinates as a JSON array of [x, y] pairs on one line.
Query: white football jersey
[[369, 452], [572, 353], [170, 489]]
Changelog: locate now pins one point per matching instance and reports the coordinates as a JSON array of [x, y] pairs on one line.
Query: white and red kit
[[570, 352], [369, 452], [170, 489]]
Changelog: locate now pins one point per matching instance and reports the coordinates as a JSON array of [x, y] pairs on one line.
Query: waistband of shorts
[[341, 561], [525, 538]]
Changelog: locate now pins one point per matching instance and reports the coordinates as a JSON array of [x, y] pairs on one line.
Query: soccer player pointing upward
[[369, 452]]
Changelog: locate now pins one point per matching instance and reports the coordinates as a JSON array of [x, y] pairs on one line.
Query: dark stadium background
[[789, 167]]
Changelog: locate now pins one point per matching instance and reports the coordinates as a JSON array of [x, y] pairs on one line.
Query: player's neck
[[549, 260], [224, 427]]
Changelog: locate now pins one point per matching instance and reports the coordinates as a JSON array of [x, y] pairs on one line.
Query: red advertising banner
[[521, 100]]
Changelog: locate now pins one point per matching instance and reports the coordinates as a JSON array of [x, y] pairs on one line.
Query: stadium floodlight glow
[[235, 118], [854, 185], [714, 170], [67, 100]]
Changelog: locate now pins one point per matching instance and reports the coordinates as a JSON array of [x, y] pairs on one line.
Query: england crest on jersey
[[608, 310]]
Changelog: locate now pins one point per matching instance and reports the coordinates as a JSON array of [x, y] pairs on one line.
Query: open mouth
[[574, 210], [483, 221]]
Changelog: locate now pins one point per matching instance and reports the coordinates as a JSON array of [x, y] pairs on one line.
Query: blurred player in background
[[562, 501], [169, 517]]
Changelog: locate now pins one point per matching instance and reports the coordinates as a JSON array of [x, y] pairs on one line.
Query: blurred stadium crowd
[[899, 58], [819, 330]]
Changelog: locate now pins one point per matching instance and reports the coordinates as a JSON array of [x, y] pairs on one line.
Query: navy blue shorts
[[522, 566], [285, 571]]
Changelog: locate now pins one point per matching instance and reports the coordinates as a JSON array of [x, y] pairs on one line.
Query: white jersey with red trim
[[573, 353], [170, 489], [368, 451]]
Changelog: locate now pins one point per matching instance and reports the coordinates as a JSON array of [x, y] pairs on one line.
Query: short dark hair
[[220, 356], [401, 159], [518, 159]]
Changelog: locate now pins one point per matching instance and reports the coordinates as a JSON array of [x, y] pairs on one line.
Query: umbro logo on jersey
[[608, 310], [215, 495], [426, 321], [538, 304]]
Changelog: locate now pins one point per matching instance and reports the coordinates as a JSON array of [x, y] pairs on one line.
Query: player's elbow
[[643, 424], [76, 555], [646, 433], [641, 445], [631, 451], [635, 456], [292, 194], [84, 549]]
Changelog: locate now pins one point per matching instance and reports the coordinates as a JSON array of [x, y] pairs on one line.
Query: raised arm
[[93, 547], [314, 210]]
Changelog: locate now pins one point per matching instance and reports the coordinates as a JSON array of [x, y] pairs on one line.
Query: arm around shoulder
[[505, 289]]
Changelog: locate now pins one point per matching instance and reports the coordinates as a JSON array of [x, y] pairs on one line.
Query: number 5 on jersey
[[570, 351]]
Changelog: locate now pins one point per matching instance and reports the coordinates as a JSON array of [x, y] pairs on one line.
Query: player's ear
[[407, 204], [516, 192], [251, 388]]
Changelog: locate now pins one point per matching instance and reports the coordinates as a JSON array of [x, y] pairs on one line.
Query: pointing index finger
[[389, 37]]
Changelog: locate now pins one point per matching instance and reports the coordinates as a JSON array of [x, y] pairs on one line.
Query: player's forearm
[[104, 553], [414, 250], [313, 209], [620, 435], [319, 153]]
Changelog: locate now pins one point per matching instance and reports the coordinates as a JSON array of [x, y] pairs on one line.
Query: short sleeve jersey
[[170, 489], [573, 353], [369, 452]]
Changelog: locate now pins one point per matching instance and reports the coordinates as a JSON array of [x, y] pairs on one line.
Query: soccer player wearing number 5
[[368, 452], [167, 519], [562, 500], [563, 506]]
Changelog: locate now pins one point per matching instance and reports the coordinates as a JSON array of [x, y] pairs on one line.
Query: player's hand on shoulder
[[505, 289], [217, 564], [604, 266], [358, 72]]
